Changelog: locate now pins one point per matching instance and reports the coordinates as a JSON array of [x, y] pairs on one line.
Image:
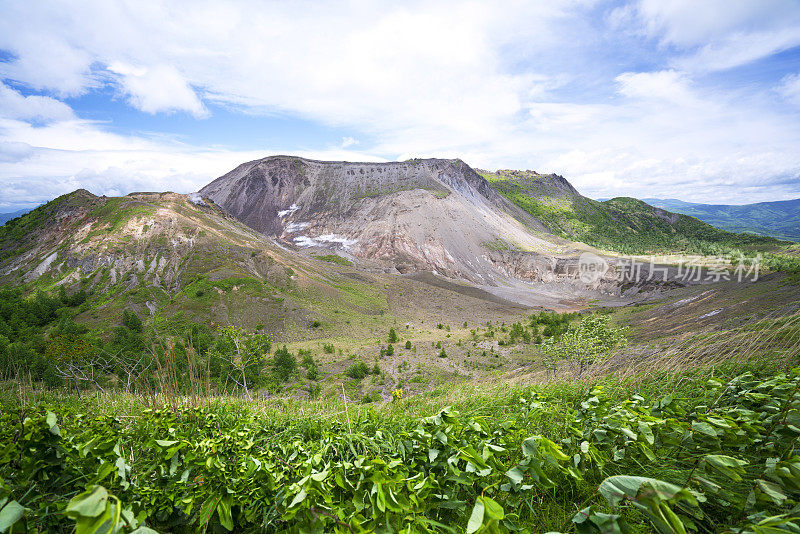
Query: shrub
[[312, 373], [328, 348], [443, 354], [284, 364], [131, 321], [392, 336], [408, 344], [307, 358], [389, 350], [357, 371]]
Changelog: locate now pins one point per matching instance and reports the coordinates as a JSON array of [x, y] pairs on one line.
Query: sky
[[698, 101]]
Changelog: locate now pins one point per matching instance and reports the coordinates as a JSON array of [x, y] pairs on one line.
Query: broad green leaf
[[730, 467], [492, 509], [773, 491], [10, 514], [300, 497], [224, 512], [647, 432], [52, 421], [476, 518], [619, 487], [515, 474], [704, 428], [207, 509], [90, 503]]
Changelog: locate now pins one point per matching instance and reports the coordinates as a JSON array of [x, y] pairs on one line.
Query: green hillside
[[779, 219], [624, 225]]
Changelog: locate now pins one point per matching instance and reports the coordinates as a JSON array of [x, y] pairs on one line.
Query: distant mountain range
[[780, 219], [5, 217]]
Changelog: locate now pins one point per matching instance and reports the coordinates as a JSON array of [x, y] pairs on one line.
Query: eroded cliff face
[[418, 215]]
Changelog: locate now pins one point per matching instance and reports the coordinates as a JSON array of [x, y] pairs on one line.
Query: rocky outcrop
[[418, 215]]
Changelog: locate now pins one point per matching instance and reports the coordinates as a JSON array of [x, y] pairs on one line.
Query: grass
[[624, 225], [334, 258]]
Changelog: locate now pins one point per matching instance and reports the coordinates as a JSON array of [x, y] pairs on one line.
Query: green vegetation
[[779, 219], [687, 453], [583, 344], [19, 235], [358, 370], [284, 363], [333, 258], [625, 225]]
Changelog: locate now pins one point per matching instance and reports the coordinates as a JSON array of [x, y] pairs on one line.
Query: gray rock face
[[417, 215]]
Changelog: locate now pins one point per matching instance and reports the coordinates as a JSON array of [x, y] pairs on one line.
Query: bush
[[389, 350], [131, 321], [315, 323], [443, 354], [358, 370], [312, 373], [307, 358], [408, 344], [328, 348], [284, 364], [392, 336]]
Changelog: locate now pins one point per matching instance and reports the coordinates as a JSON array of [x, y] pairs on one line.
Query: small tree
[[247, 356], [389, 350], [392, 336], [77, 360], [284, 364], [584, 344], [358, 370]]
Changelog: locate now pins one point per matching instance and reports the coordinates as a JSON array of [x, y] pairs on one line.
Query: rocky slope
[[417, 215]]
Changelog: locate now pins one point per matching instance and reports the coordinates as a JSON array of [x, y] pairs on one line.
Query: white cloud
[[160, 88], [534, 85], [715, 34], [60, 157], [14, 105], [789, 88], [667, 85]]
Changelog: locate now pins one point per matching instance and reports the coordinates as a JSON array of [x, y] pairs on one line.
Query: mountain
[[780, 219], [624, 225], [5, 217], [310, 249], [402, 217], [178, 260]]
